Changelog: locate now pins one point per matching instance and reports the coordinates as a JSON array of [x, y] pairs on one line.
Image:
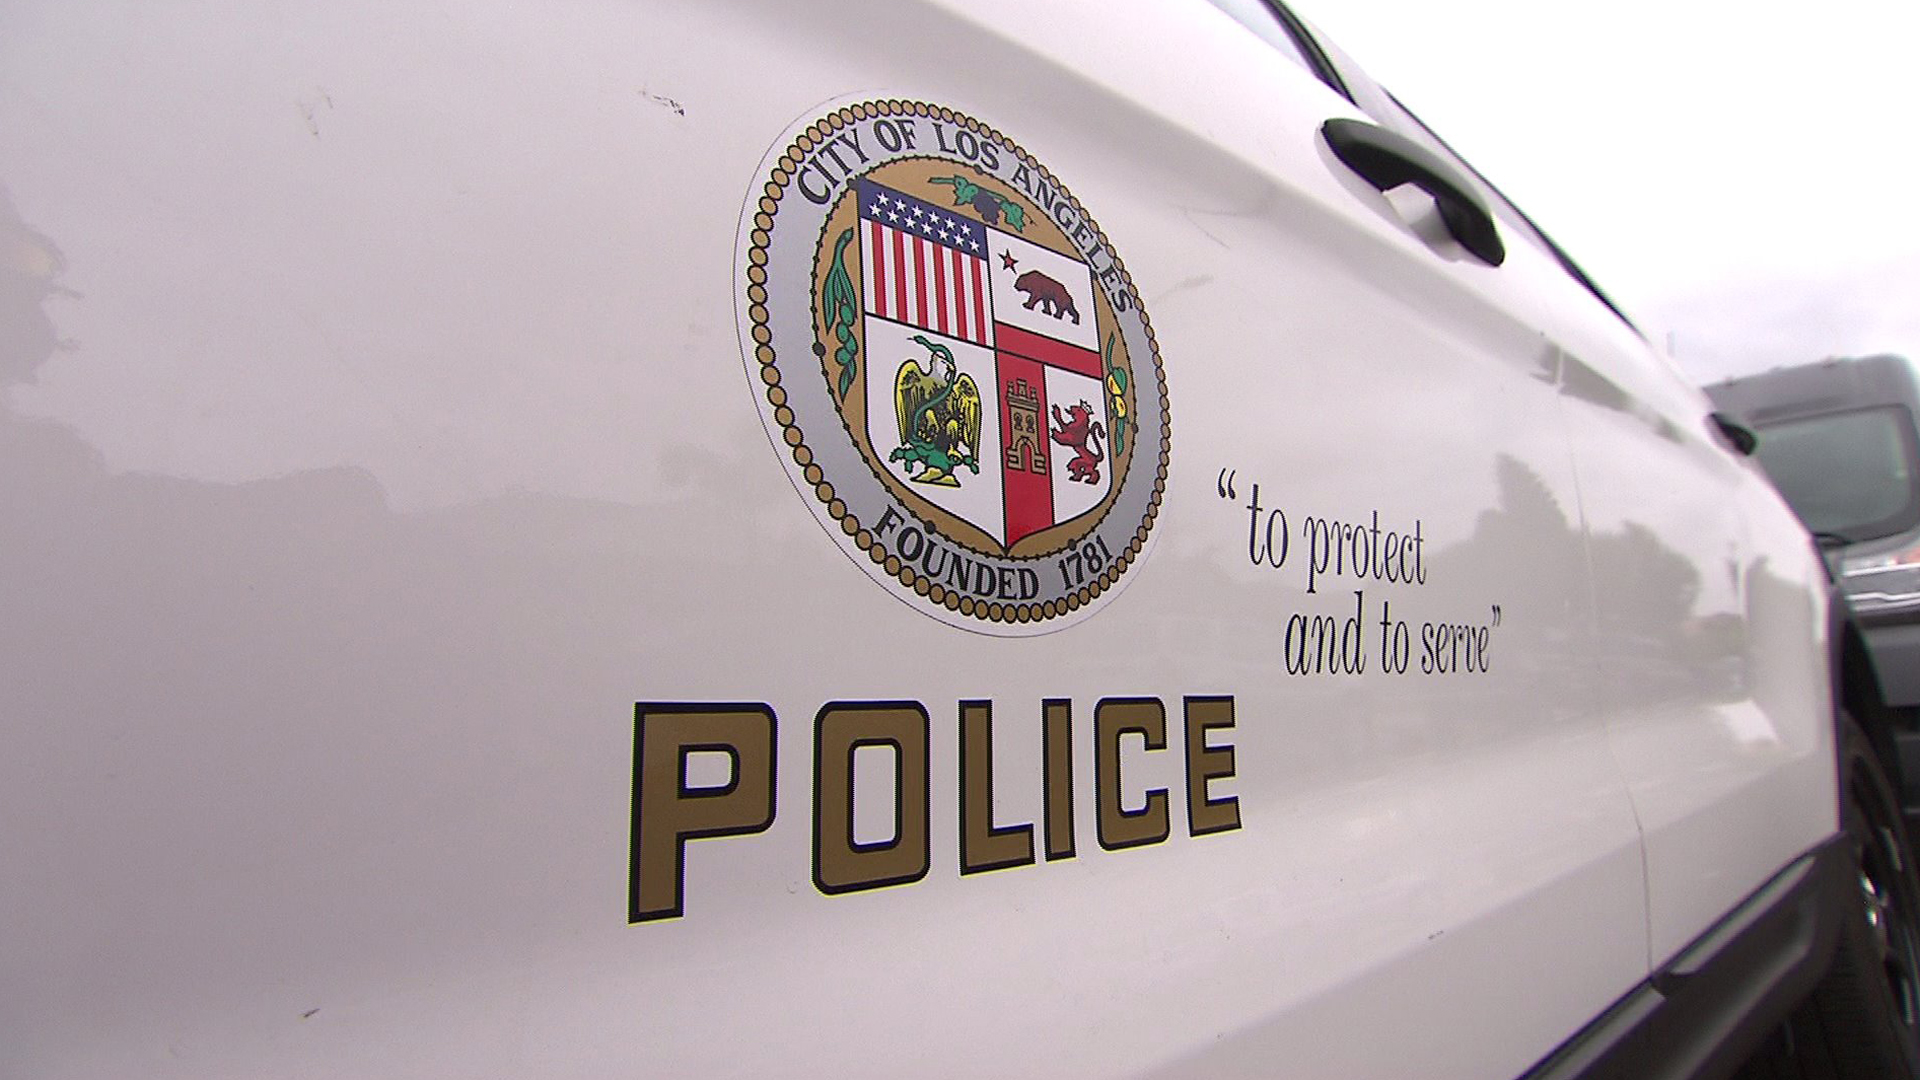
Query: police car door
[[1363, 569], [867, 538], [1708, 661], [1429, 830]]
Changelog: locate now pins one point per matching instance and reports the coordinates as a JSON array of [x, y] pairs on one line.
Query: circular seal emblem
[[954, 365]]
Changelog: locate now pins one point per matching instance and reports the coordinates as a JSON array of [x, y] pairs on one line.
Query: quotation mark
[[1496, 614], [1224, 485]]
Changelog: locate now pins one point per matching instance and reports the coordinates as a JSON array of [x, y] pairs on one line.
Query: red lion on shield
[[1083, 433]]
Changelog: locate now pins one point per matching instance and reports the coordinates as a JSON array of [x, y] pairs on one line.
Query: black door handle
[[1387, 159], [1739, 435]]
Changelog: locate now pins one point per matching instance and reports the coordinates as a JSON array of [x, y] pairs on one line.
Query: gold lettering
[[1204, 763], [841, 864], [982, 846], [1114, 718], [1056, 727], [667, 813]]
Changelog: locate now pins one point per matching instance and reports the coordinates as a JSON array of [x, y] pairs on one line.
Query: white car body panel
[[1706, 604], [374, 434]]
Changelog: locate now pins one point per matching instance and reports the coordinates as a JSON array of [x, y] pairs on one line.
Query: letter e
[[1204, 763]]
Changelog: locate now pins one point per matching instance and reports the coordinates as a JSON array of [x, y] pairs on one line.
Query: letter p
[[668, 812]]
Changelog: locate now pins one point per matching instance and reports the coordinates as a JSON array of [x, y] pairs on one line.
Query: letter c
[[801, 180], [1112, 719]]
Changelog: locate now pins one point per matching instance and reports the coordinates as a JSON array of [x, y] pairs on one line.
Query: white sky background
[[1745, 176]]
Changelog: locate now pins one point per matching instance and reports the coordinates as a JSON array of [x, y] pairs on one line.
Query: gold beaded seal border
[[775, 188]]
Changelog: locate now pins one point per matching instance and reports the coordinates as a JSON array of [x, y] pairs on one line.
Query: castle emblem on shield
[[955, 366]]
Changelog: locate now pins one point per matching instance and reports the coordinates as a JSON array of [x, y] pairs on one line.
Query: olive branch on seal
[[1117, 400], [839, 304]]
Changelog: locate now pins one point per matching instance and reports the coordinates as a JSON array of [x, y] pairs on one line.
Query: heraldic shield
[[986, 389]]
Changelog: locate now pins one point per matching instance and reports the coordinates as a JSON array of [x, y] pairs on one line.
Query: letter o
[[910, 536]]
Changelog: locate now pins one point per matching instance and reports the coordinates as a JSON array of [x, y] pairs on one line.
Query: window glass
[[1401, 119], [1850, 473], [1391, 113], [1256, 16], [1265, 19]]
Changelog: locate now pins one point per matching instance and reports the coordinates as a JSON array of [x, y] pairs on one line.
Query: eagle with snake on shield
[[939, 412]]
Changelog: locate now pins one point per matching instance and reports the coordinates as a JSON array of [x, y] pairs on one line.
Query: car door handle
[[1387, 159], [1740, 436]]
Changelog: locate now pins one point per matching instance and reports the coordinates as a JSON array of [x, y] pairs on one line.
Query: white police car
[[873, 539]]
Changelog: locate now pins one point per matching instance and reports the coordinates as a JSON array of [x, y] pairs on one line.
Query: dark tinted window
[[1402, 119], [1854, 473]]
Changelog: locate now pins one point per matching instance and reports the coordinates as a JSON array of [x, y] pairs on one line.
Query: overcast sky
[[1741, 176]]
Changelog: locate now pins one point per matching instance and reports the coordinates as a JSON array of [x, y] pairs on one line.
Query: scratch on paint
[[664, 102], [309, 109], [1194, 220], [308, 1015]]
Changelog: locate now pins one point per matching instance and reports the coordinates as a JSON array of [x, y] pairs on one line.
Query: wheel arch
[[1856, 689]]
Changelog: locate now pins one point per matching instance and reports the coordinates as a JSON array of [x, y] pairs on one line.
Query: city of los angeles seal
[[954, 365]]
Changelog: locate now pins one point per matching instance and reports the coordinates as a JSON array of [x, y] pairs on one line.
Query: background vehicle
[[1838, 439], [380, 461], [1840, 444]]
